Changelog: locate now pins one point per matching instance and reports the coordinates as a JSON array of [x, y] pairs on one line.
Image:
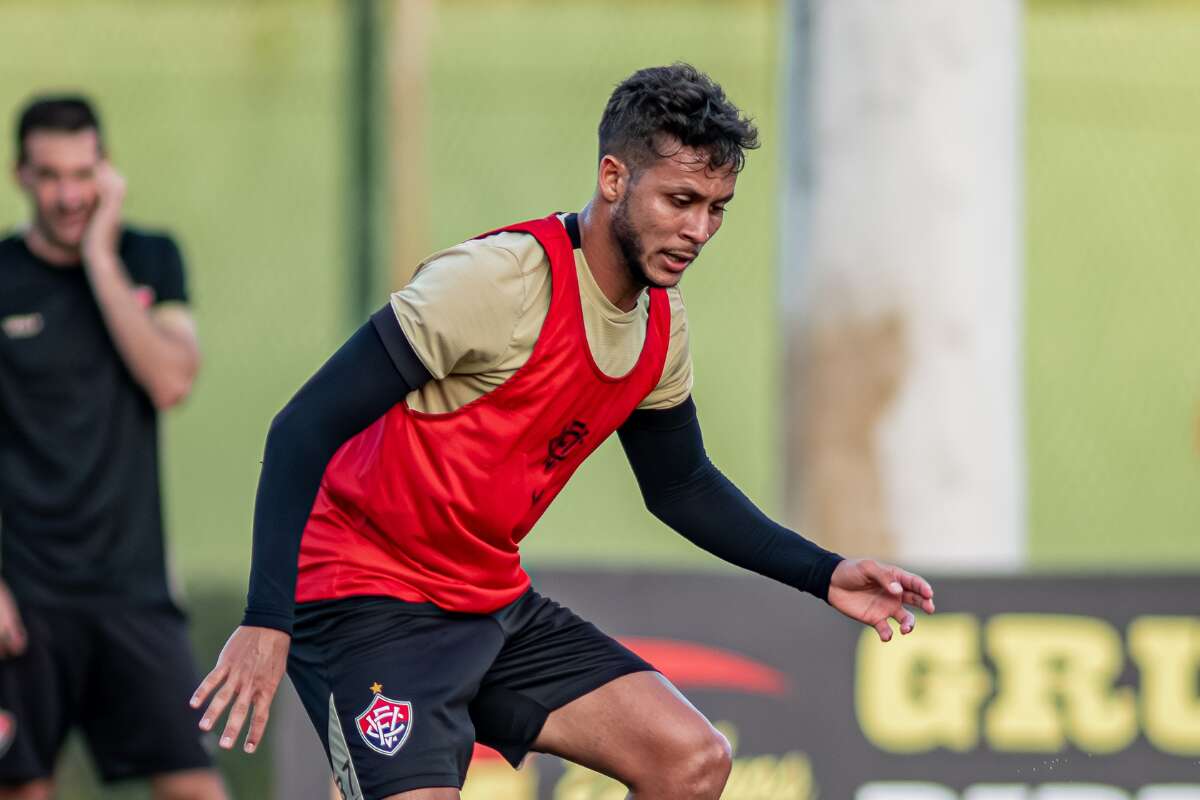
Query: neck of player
[[603, 256]]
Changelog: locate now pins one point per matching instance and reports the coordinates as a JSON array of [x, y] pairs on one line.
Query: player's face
[[59, 175], [671, 209]]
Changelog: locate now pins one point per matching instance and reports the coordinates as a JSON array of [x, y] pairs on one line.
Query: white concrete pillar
[[900, 280]]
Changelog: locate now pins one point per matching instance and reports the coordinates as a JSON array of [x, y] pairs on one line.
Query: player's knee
[[34, 790], [710, 766], [699, 764]]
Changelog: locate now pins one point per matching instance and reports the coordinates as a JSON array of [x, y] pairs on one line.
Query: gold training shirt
[[472, 314]]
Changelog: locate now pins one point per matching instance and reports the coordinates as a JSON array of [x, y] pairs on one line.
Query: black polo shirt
[[80, 511]]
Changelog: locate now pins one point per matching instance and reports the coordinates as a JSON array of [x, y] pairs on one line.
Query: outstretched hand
[[872, 593], [249, 669]]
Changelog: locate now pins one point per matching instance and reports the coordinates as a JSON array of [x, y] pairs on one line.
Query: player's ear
[[613, 178]]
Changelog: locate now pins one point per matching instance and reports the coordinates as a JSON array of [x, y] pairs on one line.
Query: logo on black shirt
[[23, 326], [564, 443]]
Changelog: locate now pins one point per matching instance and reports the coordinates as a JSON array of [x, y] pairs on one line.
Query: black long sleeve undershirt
[[375, 369], [682, 487]]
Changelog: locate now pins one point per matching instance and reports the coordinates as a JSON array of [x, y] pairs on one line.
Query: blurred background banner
[[306, 153]]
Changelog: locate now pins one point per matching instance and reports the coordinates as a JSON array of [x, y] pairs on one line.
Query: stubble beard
[[630, 244]]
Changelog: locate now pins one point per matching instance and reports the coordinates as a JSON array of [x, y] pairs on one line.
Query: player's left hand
[[103, 232], [872, 593]]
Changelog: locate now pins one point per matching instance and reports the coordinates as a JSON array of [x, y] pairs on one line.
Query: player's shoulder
[[16, 262], [153, 260], [498, 256], [12, 245], [138, 236], [516, 247]]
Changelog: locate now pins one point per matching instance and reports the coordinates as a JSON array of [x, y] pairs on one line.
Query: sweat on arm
[[374, 370], [682, 487]]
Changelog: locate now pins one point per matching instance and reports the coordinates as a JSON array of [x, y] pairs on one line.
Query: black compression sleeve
[[371, 372], [686, 491]]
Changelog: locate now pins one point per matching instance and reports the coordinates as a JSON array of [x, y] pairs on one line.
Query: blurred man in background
[[96, 339], [399, 481]]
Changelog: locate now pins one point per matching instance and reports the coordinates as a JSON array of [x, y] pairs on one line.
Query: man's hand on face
[[248, 671], [871, 593], [103, 233], [12, 631]]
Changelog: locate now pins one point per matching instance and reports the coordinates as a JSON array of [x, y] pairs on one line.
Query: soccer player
[[398, 482], [95, 340]]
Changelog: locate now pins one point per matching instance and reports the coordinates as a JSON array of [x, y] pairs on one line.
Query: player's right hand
[[12, 630], [248, 672]]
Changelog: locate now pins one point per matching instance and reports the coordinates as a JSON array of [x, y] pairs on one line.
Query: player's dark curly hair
[[657, 106], [60, 113]]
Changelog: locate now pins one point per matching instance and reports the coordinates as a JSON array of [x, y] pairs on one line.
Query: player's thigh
[[551, 656], [135, 712], [39, 699], [192, 784], [636, 726], [387, 686]]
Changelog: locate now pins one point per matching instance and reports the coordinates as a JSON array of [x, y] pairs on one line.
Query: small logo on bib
[[571, 437], [386, 723]]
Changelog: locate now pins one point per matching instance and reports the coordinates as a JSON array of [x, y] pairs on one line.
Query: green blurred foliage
[[227, 120], [1113, 289]]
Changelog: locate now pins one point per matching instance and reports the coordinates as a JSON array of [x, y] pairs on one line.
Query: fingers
[[906, 620], [217, 707], [917, 601], [237, 718], [885, 575], [210, 682], [909, 587], [917, 584], [258, 724], [246, 694]]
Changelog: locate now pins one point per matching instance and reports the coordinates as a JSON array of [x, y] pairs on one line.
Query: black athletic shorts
[[400, 692], [122, 674]]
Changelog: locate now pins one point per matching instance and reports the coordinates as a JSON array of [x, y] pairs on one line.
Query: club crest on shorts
[[386, 723]]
